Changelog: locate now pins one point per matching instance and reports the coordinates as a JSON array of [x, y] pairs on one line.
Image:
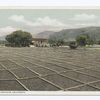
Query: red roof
[[40, 39]]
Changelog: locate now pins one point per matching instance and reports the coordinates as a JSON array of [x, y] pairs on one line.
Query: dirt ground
[[49, 69]]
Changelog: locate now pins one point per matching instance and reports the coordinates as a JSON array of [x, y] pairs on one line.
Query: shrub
[[73, 45]]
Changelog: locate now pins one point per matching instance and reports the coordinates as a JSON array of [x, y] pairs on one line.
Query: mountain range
[[44, 34], [71, 34], [68, 34]]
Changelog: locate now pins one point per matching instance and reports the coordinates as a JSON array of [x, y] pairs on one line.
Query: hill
[[44, 34], [71, 34]]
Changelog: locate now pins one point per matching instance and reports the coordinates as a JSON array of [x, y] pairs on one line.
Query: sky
[[39, 20]]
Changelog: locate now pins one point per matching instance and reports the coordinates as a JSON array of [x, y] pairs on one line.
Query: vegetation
[[56, 42], [98, 42], [24, 39], [68, 34], [60, 42], [73, 45], [84, 39], [19, 39], [81, 40]]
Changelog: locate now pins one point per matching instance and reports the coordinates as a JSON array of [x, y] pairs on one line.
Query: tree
[[90, 42], [19, 38], [53, 41], [84, 39], [60, 42]]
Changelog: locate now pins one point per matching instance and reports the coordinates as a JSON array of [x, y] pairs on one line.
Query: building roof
[[40, 39]]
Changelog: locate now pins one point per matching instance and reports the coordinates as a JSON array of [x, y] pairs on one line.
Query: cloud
[[45, 21], [52, 24], [6, 30], [20, 18], [17, 18], [84, 17]]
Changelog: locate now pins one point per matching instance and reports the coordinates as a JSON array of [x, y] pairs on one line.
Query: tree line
[[21, 38], [81, 40]]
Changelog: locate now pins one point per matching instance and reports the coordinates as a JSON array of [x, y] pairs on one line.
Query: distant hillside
[[44, 34], [68, 34], [2, 38], [71, 34]]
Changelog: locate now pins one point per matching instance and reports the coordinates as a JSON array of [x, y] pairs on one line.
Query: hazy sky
[[38, 20]]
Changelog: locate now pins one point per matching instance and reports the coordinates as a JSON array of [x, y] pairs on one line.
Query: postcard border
[[49, 93]]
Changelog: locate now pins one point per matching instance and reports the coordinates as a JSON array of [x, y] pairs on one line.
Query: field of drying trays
[[49, 69]]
